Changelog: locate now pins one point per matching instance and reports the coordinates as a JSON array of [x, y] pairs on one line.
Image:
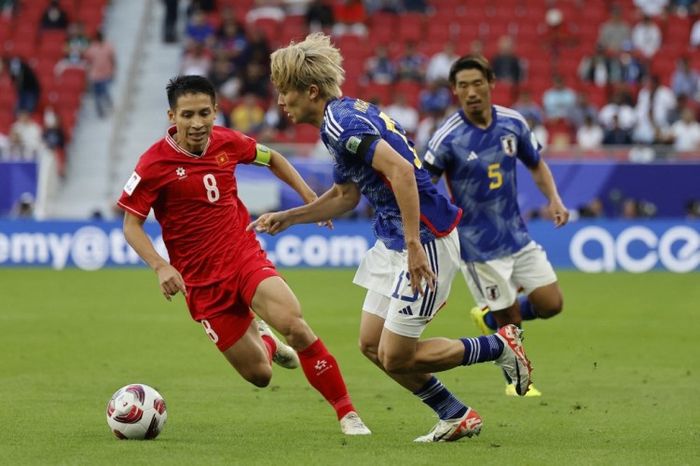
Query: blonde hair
[[313, 61]]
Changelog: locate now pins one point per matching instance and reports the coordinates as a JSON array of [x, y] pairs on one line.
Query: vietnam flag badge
[[222, 159]]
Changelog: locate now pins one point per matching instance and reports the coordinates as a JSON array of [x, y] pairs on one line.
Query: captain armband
[[262, 155]]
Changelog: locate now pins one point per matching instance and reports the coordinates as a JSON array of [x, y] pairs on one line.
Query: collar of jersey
[[170, 140], [476, 128]]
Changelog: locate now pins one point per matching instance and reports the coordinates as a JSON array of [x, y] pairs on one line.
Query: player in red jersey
[[187, 178]]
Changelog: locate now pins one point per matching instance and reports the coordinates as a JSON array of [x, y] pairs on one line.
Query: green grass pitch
[[619, 371]]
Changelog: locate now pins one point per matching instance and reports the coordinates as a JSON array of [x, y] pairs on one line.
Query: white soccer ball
[[136, 411]]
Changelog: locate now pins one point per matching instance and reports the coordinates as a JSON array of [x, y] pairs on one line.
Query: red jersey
[[195, 200]]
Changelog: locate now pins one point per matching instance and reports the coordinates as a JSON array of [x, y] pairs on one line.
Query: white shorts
[[496, 283], [384, 273]]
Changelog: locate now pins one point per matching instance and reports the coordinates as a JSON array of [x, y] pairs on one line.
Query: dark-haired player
[[476, 149], [187, 178]]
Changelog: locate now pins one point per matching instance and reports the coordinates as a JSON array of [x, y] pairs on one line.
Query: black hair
[[471, 62], [190, 84]]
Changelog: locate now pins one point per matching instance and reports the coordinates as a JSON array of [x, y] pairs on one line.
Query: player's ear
[[313, 92], [171, 116]]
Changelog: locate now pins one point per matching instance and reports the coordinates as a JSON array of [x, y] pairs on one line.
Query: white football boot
[[285, 355], [351, 424], [450, 430], [513, 360]]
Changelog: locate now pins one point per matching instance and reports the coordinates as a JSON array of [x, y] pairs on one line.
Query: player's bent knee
[[260, 377], [370, 351], [298, 334], [396, 365]]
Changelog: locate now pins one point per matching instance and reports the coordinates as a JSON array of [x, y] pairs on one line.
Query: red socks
[[270, 345], [323, 373]]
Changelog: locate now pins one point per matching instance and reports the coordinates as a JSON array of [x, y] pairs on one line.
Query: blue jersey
[[479, 167], [346, 122]]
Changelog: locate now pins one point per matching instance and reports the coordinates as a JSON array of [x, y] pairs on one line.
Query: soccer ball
[[136, 411]]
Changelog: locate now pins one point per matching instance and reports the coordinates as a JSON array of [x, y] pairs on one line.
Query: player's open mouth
[[198, 136]]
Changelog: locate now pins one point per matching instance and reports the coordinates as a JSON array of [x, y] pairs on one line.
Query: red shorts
[[224, 307]]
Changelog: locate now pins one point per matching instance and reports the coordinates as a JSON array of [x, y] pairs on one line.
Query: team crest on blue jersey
[[509, 144], [492, 292]]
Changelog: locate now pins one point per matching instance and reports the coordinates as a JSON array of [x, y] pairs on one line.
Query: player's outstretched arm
[[334, 202], [401, 175], [169, 278], [286, 172], [544, 180]]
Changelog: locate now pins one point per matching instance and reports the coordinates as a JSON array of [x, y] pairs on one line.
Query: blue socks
[[481, 349], [527, 312], [440, 400]]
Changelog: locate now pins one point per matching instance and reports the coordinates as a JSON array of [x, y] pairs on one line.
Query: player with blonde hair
[[408, 272]]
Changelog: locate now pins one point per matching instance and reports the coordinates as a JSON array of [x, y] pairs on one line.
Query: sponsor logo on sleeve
[[131, 184], [352, 144], [429, 157]]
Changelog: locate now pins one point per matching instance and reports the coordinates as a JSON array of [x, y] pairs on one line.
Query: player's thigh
[[409, 313], [492, 282], [249, 356], [374, 311], [532, 270], [277, 305]]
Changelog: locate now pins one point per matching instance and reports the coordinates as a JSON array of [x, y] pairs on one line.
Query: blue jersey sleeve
[[528, 147]]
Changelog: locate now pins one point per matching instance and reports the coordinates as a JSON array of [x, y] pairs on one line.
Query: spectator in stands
[[583, 109], [199, 30], [8, 8], [403, 114], [24, 207], [233, 42], [695, 34], [196, 61], [207, 6], [685, 81], [440, 63], [74, 49], [258, 49], [614, 135], [265, 9], [53, 135], [589, 135], [595, 68], [411, 64], [350, 18], [248, 115], [319, 16], [559, 100], [618, 113], [594, 209], [652, 7], [26, 84], [170, 20], [4, 147], [654, 103], [222, 75], [686, 132], [426, 128], [506, 65], [615, 32], [101, 64], [28, 134], [527, 107], [646, 37], [54, 17], [417, 6], [255, 81], [627, 68], [692, 209], [379, 68], [559, 33], [434, 98]]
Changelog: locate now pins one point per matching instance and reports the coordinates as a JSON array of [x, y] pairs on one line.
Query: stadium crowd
[[627, 76]]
